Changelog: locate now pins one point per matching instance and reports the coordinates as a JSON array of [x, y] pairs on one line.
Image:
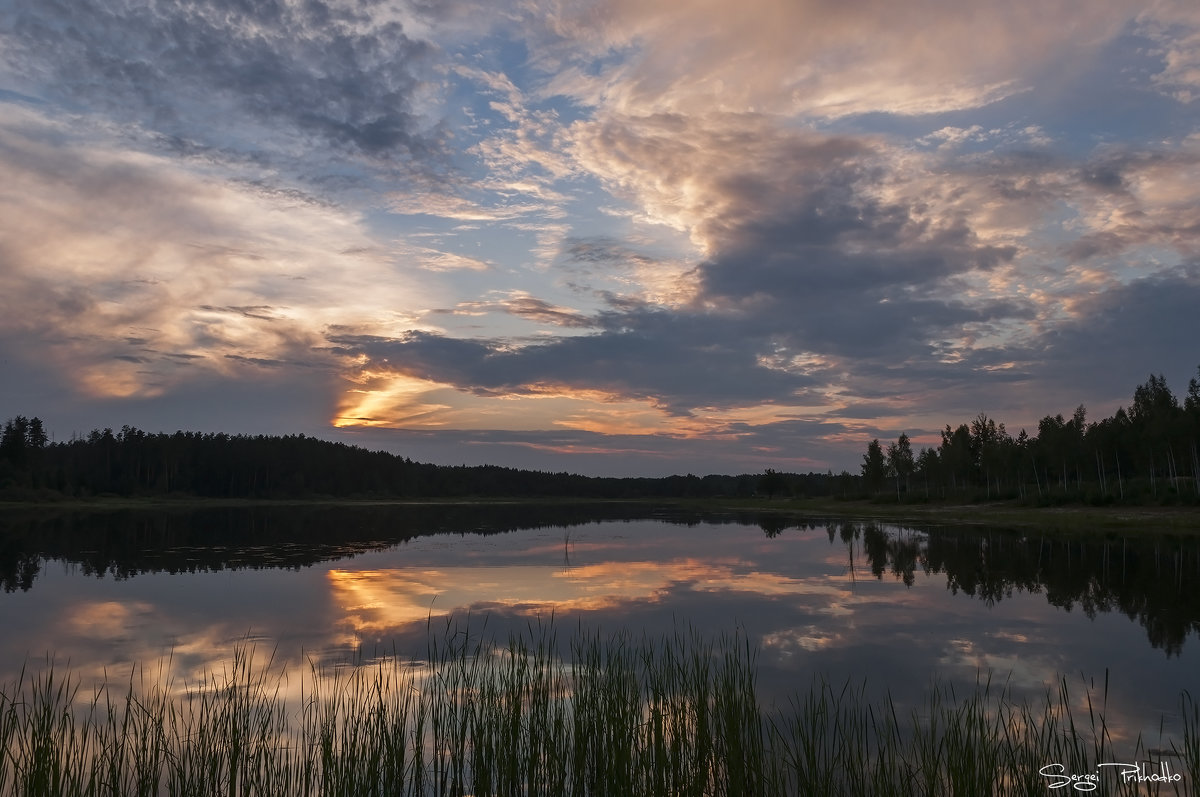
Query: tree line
[[132, 462], [1149, 452]]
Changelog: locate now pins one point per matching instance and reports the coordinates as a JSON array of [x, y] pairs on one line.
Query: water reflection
[[125, 542], [892, 606], [1153, 579]]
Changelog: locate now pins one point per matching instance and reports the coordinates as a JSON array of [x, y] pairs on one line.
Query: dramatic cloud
[[136, 276], [813, 252], [629, 235], [817, 57], [658, 363], [264, 79], [1119, 336]]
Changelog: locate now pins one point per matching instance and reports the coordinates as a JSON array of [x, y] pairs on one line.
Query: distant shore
[[1075, 518], [1068, 517]]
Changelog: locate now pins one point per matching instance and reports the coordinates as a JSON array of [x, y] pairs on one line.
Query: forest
[[1147, 453], [131, 462]]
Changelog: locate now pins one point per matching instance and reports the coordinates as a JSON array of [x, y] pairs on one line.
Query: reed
[[619, 714]]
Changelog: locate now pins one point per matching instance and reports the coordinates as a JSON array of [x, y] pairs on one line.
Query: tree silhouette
[[772, 483], [874, 467], [958, 455], [1150, 452], [900, 461]]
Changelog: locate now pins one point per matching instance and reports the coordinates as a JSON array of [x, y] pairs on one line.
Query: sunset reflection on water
[[891, 609]]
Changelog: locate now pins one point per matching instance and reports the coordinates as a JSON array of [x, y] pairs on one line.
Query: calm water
[[892, 606]]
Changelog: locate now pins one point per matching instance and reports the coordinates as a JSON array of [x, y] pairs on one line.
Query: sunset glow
[[611, 237]]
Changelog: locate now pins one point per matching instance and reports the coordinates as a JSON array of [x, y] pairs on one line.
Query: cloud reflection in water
[[842, 601]]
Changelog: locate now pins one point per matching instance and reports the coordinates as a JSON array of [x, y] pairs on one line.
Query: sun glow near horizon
[[542, 219]]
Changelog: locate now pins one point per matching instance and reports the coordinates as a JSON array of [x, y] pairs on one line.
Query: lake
[[891, 607]]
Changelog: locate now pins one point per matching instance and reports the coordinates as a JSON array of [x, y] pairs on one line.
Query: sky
[[613, 237]]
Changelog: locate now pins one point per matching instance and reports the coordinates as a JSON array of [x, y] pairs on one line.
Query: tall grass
[[678, 715]]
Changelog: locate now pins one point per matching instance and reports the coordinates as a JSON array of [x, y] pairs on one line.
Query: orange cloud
[[136, 273], [386, 399]]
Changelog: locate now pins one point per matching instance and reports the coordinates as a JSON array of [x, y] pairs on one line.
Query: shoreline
[[1070, 517]]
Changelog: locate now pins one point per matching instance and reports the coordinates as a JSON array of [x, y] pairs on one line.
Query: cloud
[[1175, 31], [821, 242], [676, 363], [1119, 335], [522, 305], [635, 272], [135, 276], [534, 309], [278, 79], [1114, 338], [839, 277], [1142, 197], [435, 260], [445, 205], [792, 219], [833, 274], [814, 57], [951, 137], [603, 251]]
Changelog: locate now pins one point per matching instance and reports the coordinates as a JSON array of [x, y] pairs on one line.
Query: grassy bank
[[672, 716]]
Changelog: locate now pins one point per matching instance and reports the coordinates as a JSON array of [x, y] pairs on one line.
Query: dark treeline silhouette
[[132, 462], [1153, 579], [1148, 453]]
